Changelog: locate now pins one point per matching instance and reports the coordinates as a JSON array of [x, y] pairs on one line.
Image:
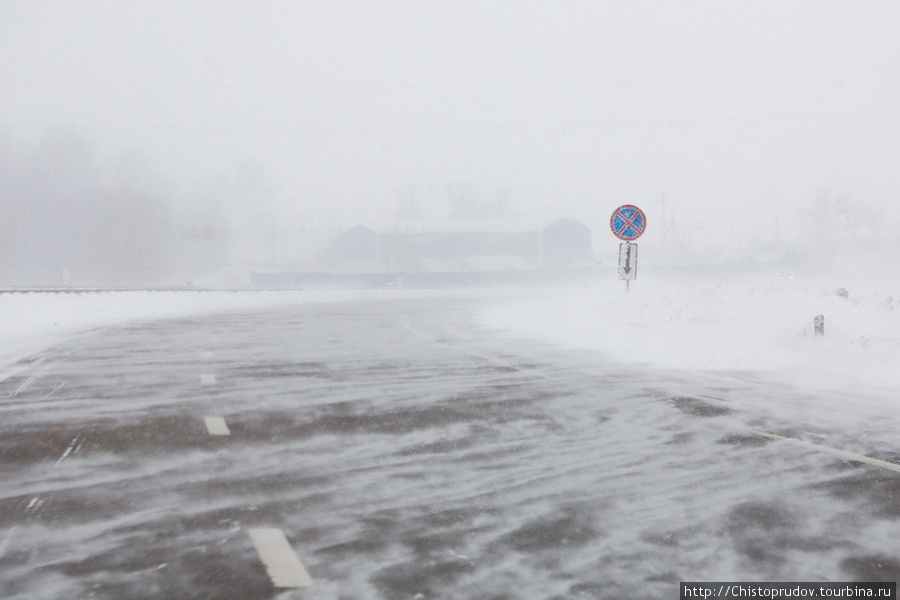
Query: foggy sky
[[311, 117]]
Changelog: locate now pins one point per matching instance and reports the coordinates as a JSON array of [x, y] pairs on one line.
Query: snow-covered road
[[405, 450]]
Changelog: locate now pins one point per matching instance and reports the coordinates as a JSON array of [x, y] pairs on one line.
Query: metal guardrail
[[286, 281], [421, 279], [113, 290]]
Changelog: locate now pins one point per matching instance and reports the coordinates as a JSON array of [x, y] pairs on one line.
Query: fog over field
[[148, 143]]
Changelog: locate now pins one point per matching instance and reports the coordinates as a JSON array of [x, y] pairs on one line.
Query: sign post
[[628, 223]]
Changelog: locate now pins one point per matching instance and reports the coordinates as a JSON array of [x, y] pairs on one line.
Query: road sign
[[628, 222], [628, 261]]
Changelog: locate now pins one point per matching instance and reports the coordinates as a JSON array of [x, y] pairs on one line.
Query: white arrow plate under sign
[[628, 261]]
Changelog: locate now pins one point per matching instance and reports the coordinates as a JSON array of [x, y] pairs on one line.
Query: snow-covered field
[[746, 326]]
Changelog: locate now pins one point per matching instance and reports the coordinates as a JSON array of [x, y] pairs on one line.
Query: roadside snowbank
[[730, 324]]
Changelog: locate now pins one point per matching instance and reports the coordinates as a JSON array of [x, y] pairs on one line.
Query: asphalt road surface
[[398, 450]]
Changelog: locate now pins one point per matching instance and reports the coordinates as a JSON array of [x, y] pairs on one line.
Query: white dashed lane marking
[[216, 426], [68, 451], [208, 379], [282, 564], [4, 543]]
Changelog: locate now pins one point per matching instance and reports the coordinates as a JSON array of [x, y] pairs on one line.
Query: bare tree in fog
[[842, 215], [409, 205], [466, 202], [62, 212]]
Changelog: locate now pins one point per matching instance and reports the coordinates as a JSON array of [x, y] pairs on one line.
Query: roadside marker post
[[819, 324], [628, 223]]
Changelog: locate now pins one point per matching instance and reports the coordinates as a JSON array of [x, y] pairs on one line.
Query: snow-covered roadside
[[731, 324]]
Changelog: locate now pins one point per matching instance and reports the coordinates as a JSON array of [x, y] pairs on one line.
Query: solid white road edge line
[[216, 426], [842, 453], [282, 564]]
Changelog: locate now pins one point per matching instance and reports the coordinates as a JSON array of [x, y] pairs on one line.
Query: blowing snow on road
[[405, 447]]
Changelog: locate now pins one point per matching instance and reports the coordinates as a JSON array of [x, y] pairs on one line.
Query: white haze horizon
[[166, 141]]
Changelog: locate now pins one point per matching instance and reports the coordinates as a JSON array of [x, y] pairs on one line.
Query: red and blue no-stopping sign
[[628, 222]]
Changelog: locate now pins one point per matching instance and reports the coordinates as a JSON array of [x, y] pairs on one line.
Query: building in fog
[[411, 251], [356, 245], [489, 244], [565, 242]]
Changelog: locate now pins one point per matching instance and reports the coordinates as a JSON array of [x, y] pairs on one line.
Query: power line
[[498, 85], [387, 129]]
